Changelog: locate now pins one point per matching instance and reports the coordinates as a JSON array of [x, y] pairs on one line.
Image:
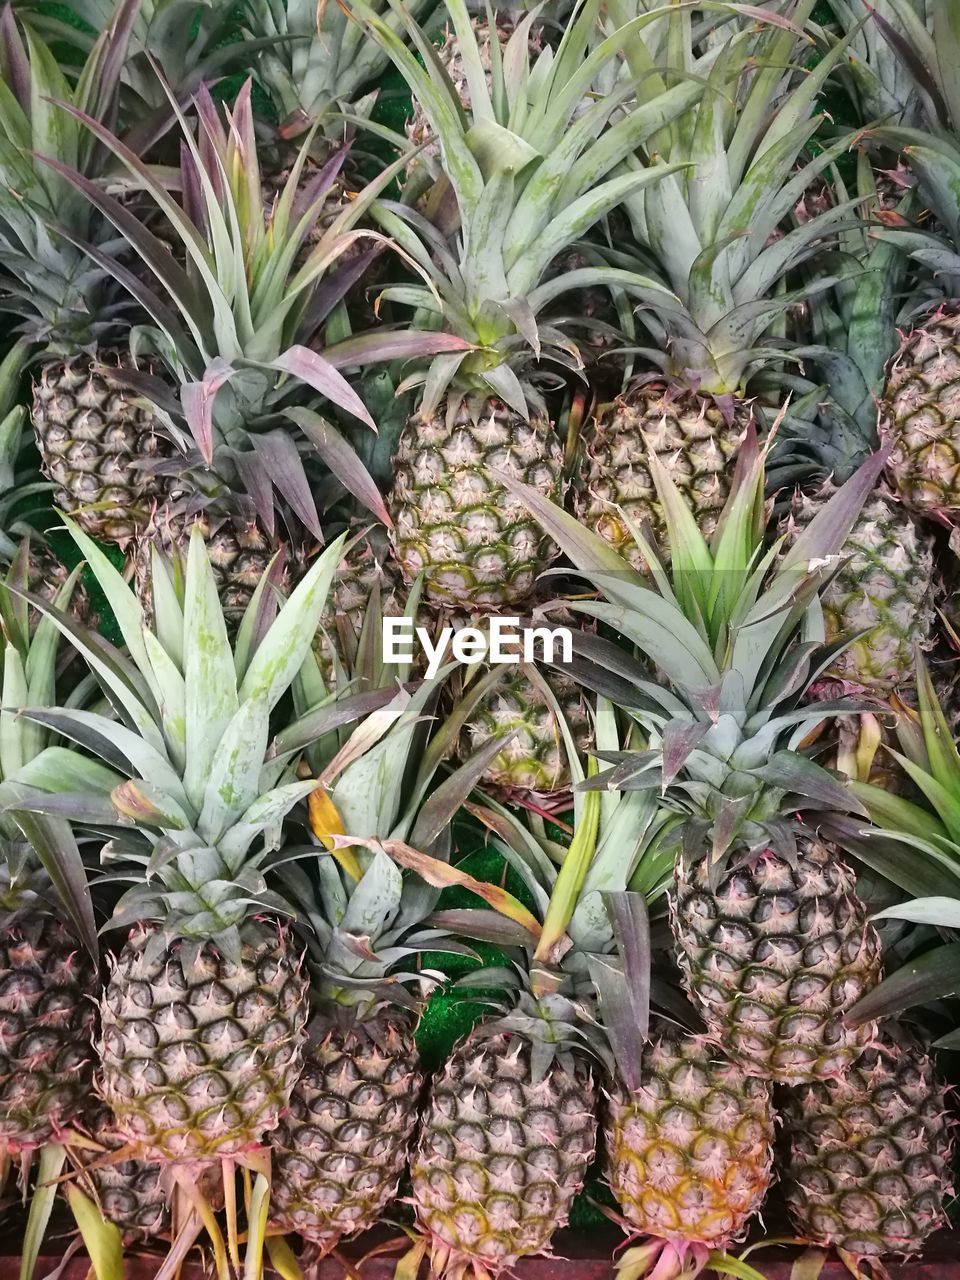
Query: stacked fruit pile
[[630, 321]]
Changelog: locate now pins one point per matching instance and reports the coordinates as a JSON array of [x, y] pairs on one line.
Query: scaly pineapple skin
[[48, 989], [239, 552], [869, 1153], [501, 1158], [775, 958], [886, 587], [535, 760], [365, 567], [130, 1193], [343, 1144], [91, 432], [689, 1156], [922, 417], [689, 436], [477, 545], [201, 1065]]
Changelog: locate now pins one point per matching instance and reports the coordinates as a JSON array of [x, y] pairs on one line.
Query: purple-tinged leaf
[[446, 801], [14, 64], [75, 806], [197, 399], [116, 41], [795, 773], [211, 140], [626, 1040], [483, 926], [930, 977], [826, 533], [281, 461], [323, 720], [191, 195], [310, 197], [319, 373], [398, 344], [334, 287], [680, 738], [257, 481], [342, 460]]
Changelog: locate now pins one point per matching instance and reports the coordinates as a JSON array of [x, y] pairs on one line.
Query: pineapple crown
[[376, 810], [64, 299], [929, 51], [916, 848], [854, 334], [877, 80], [530, 168], [318, 61], [592, 896], [238, 323], [197, 789], [711, 228], [738, 634]]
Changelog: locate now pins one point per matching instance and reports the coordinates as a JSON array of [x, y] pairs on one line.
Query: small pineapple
[[689, 1150], [868, 1158], [885, 589], [343, 1144], [534, 763]]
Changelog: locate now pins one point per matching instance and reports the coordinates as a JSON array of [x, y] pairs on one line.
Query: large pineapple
[[242, 344], [868, 1153], [713, 262], [774, 944], [689, 1147], [202, 1016], [520, 178], [93, 429]]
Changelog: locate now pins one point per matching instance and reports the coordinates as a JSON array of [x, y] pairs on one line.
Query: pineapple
[[520, 178], [689, 1148], [244, 357], [868, 1153], [93, 430], [710, 255], [774, 944], [884, 590], [203, 1013]]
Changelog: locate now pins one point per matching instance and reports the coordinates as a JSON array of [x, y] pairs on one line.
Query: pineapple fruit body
[[535, 760], [922, 412], [240, 552], [92, 434], [131, 1193], [774, 959], [689, 1154], [477, 545], [868, 1163], [884, 589], [48, 988], [690, 436], [501, 1154], [343, 1144], [198, 1059]]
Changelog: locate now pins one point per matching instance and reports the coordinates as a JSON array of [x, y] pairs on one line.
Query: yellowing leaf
[[326, 824], [101, 1238]]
